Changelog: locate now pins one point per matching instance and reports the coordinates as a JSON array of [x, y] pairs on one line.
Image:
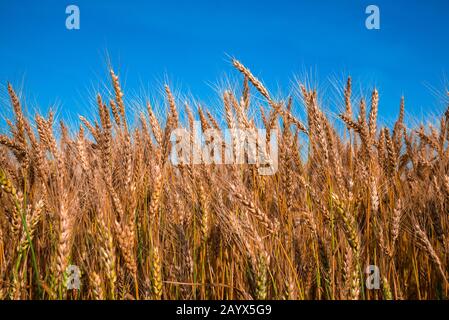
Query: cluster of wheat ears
[[107, 200]]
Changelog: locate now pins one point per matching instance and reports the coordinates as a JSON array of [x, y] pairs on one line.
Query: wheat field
[[106, 199]]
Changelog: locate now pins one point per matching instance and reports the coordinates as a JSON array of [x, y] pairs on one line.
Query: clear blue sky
[[190, 43]]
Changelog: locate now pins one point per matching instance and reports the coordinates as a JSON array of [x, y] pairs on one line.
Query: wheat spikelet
[[157, 191], [271, 226], [239, 111], [256, 83], [65, 233], [82, 151], [172, 104], [355, 285], [350, 226], [374, 196], [446, 184], [289, 291], [155, 127], [115, 112], [125, 238], [11, 144], [89, 126], [396, 221], [204, 213], [350, 123], [347, 272], [347, 94], [118, 96], [391, 152], [399, 124], [372, 124], [428, 140], [20, 119], [97, 287], [157, 274], [189, 117], [261, 277], [107, 254], [33, 219], [204, 124], [431, 251]]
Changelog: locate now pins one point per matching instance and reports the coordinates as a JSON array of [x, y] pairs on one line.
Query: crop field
[[353, 210]]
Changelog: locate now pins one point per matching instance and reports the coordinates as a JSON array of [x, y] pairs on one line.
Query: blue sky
[[189, 43]]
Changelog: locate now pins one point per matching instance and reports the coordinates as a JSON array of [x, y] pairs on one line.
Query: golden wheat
[[109, 201]]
